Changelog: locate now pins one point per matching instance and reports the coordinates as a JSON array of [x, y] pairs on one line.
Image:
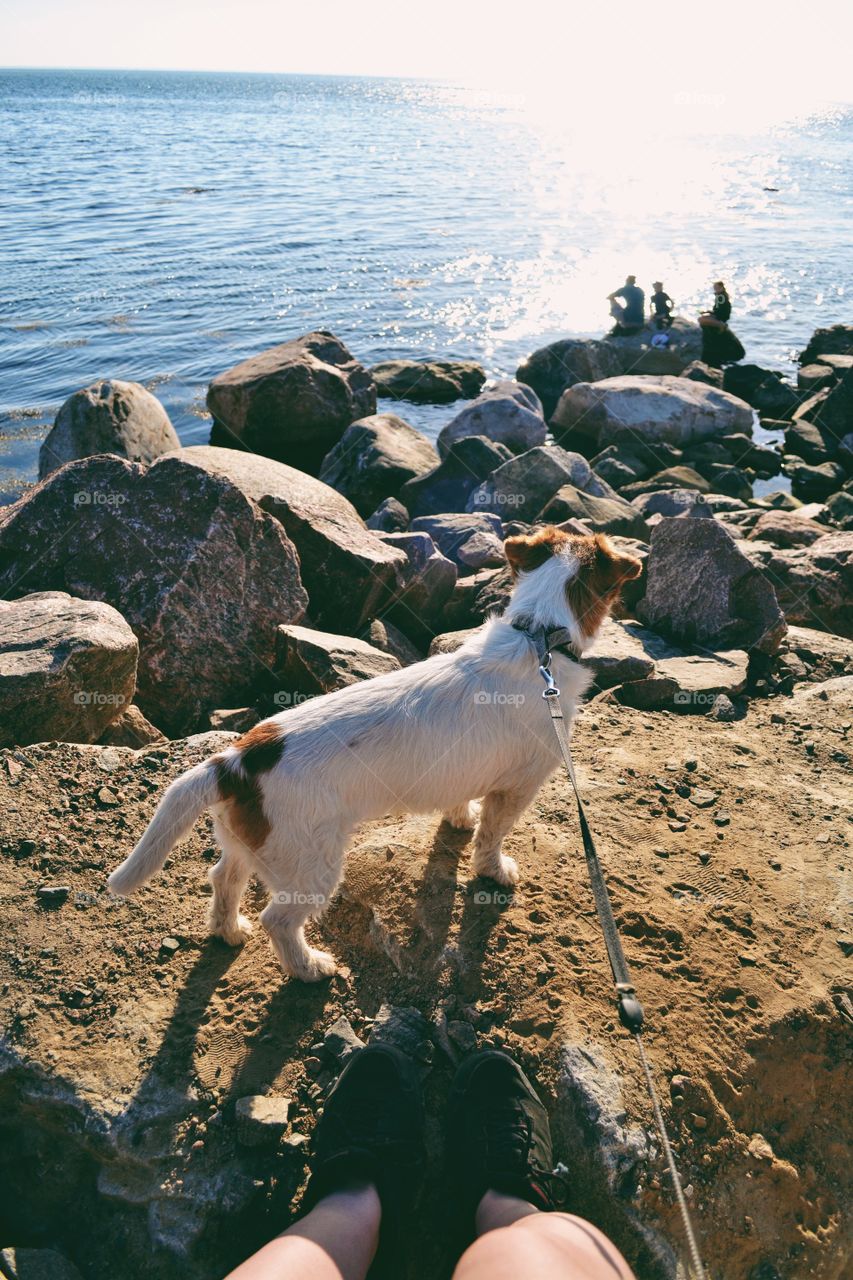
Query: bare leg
[[229, 878], [501, 810], [336, 1241], [517, 1239], [464, 816]]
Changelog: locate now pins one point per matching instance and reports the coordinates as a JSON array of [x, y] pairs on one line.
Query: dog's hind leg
[[500, 812], [303, 888], [464, 816], [229, 878]]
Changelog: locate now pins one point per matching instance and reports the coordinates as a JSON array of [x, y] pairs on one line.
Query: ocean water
[[159, 227]]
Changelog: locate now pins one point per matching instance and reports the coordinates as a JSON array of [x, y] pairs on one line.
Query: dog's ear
[[614, 567], [527, 551]]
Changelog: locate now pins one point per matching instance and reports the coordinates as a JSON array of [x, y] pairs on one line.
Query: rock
[[36, 1264], [839, 510], [374, 458], [428, 578], [389, 517], [806, 440], [832, 409], [682, 682], [673, 410], [838, 362], [201, 574], [814, 584], [108, 417], [450, 641], [428, 381], [233, 720], [340, 1041], [722, 504], [604, 515], [448, 486], [673, 502], [508, 413], [698, 371], [475, 596], [838, 339], [729, 480], [550, 370], [723, 709], [764, 389], [383, 635], [744, 452], [520, 488], [814, 484], [778, 500], [406, 1029], [612, 470], [52, 895], [590, 1089], [131, 729], [310, 662], [636, 353], [814, 377], [292, 402], [786, 529], [618, 656], [348, 572], [169, 946], [261, 1119], [702, 589], [678, 478], [452, 534], [67, 668]]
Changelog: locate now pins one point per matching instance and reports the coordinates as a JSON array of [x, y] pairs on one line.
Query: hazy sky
[[745, 50]]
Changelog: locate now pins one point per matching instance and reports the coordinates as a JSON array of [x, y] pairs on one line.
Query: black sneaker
[[499, 1138], [371, 1130]]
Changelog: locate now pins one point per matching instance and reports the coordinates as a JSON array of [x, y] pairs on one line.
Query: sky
[[703, 51]]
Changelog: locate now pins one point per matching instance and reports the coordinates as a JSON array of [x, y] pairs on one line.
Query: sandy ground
[[728, 856]]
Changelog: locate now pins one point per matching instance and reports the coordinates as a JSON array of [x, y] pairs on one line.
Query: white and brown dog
[[438, 735]]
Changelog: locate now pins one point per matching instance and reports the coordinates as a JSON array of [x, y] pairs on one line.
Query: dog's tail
[[187, 797]]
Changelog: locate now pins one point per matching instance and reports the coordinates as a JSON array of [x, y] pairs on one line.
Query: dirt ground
[[727, 848]]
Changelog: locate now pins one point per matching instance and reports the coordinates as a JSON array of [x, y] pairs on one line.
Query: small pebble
[[169, 946]]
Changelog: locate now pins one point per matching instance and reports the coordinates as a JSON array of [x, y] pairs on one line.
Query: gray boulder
[[132, 729], [670, 409], [461, 537], [508, 413], [389, 517], [309, 662], [786, 529], [428, 381], [814, 484], [108, 417], [682, 682], [764, 389], [374, 458], [807, 440], [672, 502], [618, 655], [836, 340], [348, 572], [382, 634], [521, 487], [702, 590], [448, 486], [551, 369], [202, 575], [292, 402], [602, 515], [699, 371], [67, 668], [814, 377], [839, 510], [638, 353], [814, 584], [670, 478], [426, 581]]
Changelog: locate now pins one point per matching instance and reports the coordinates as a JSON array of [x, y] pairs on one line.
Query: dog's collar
[[547, 639]]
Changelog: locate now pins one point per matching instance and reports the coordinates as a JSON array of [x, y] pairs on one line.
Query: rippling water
[[160, 226]]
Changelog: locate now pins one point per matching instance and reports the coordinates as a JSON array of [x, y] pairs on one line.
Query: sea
[[161, 226]]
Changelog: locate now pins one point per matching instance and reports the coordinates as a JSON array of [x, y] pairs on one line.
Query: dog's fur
[[438, 735]]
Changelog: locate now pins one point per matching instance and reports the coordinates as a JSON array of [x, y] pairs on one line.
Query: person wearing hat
[[662, 305]]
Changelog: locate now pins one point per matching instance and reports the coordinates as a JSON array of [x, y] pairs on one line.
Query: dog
[[464, 733]]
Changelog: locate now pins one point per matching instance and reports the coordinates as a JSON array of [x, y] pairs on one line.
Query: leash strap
[[630, 1010]]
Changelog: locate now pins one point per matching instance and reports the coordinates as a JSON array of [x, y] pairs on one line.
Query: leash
[[630, 1010]]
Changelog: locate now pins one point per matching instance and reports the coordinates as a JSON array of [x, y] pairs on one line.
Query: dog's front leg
[[500, 811]]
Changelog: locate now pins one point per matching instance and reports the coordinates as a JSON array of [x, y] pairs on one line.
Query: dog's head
[[583, 573]]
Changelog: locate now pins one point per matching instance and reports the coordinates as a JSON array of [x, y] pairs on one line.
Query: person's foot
[[371, 1130], [499, 1138]]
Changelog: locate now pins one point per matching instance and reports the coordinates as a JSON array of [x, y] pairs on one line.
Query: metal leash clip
[[551, 690]]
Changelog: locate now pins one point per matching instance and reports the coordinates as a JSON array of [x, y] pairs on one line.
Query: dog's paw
[[499, 867], [464, 817], [316, 966], [234, 934]]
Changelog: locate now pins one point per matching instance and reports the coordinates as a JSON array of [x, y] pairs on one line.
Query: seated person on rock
[[718, 316], [662, 305], [631, 317]]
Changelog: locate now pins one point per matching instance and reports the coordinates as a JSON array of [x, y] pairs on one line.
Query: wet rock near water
[[374, 458], [520, 488], [428, 381], [508, 413], [108, 417], [447, 487]]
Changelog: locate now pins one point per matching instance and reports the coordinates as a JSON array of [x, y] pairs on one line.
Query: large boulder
[[464, 539], [832, 409], [814, 584], [699, 371], [671, 478], [836, 340], [108, 417], [814, 484], [310, 662], [764, 389], [428, 381], [67, 668], [426, 582], [674, 410], [520, 488], [672, 502], [374, 458], [806, 440], [551, 369], [702, 590], [508, 413], [448, 486], [786, 529], [202, 574], [644, 352], [603, 515], [348, 572], [292, 402]]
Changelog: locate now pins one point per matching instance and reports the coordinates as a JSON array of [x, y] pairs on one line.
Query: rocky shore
[[159, 1091]]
